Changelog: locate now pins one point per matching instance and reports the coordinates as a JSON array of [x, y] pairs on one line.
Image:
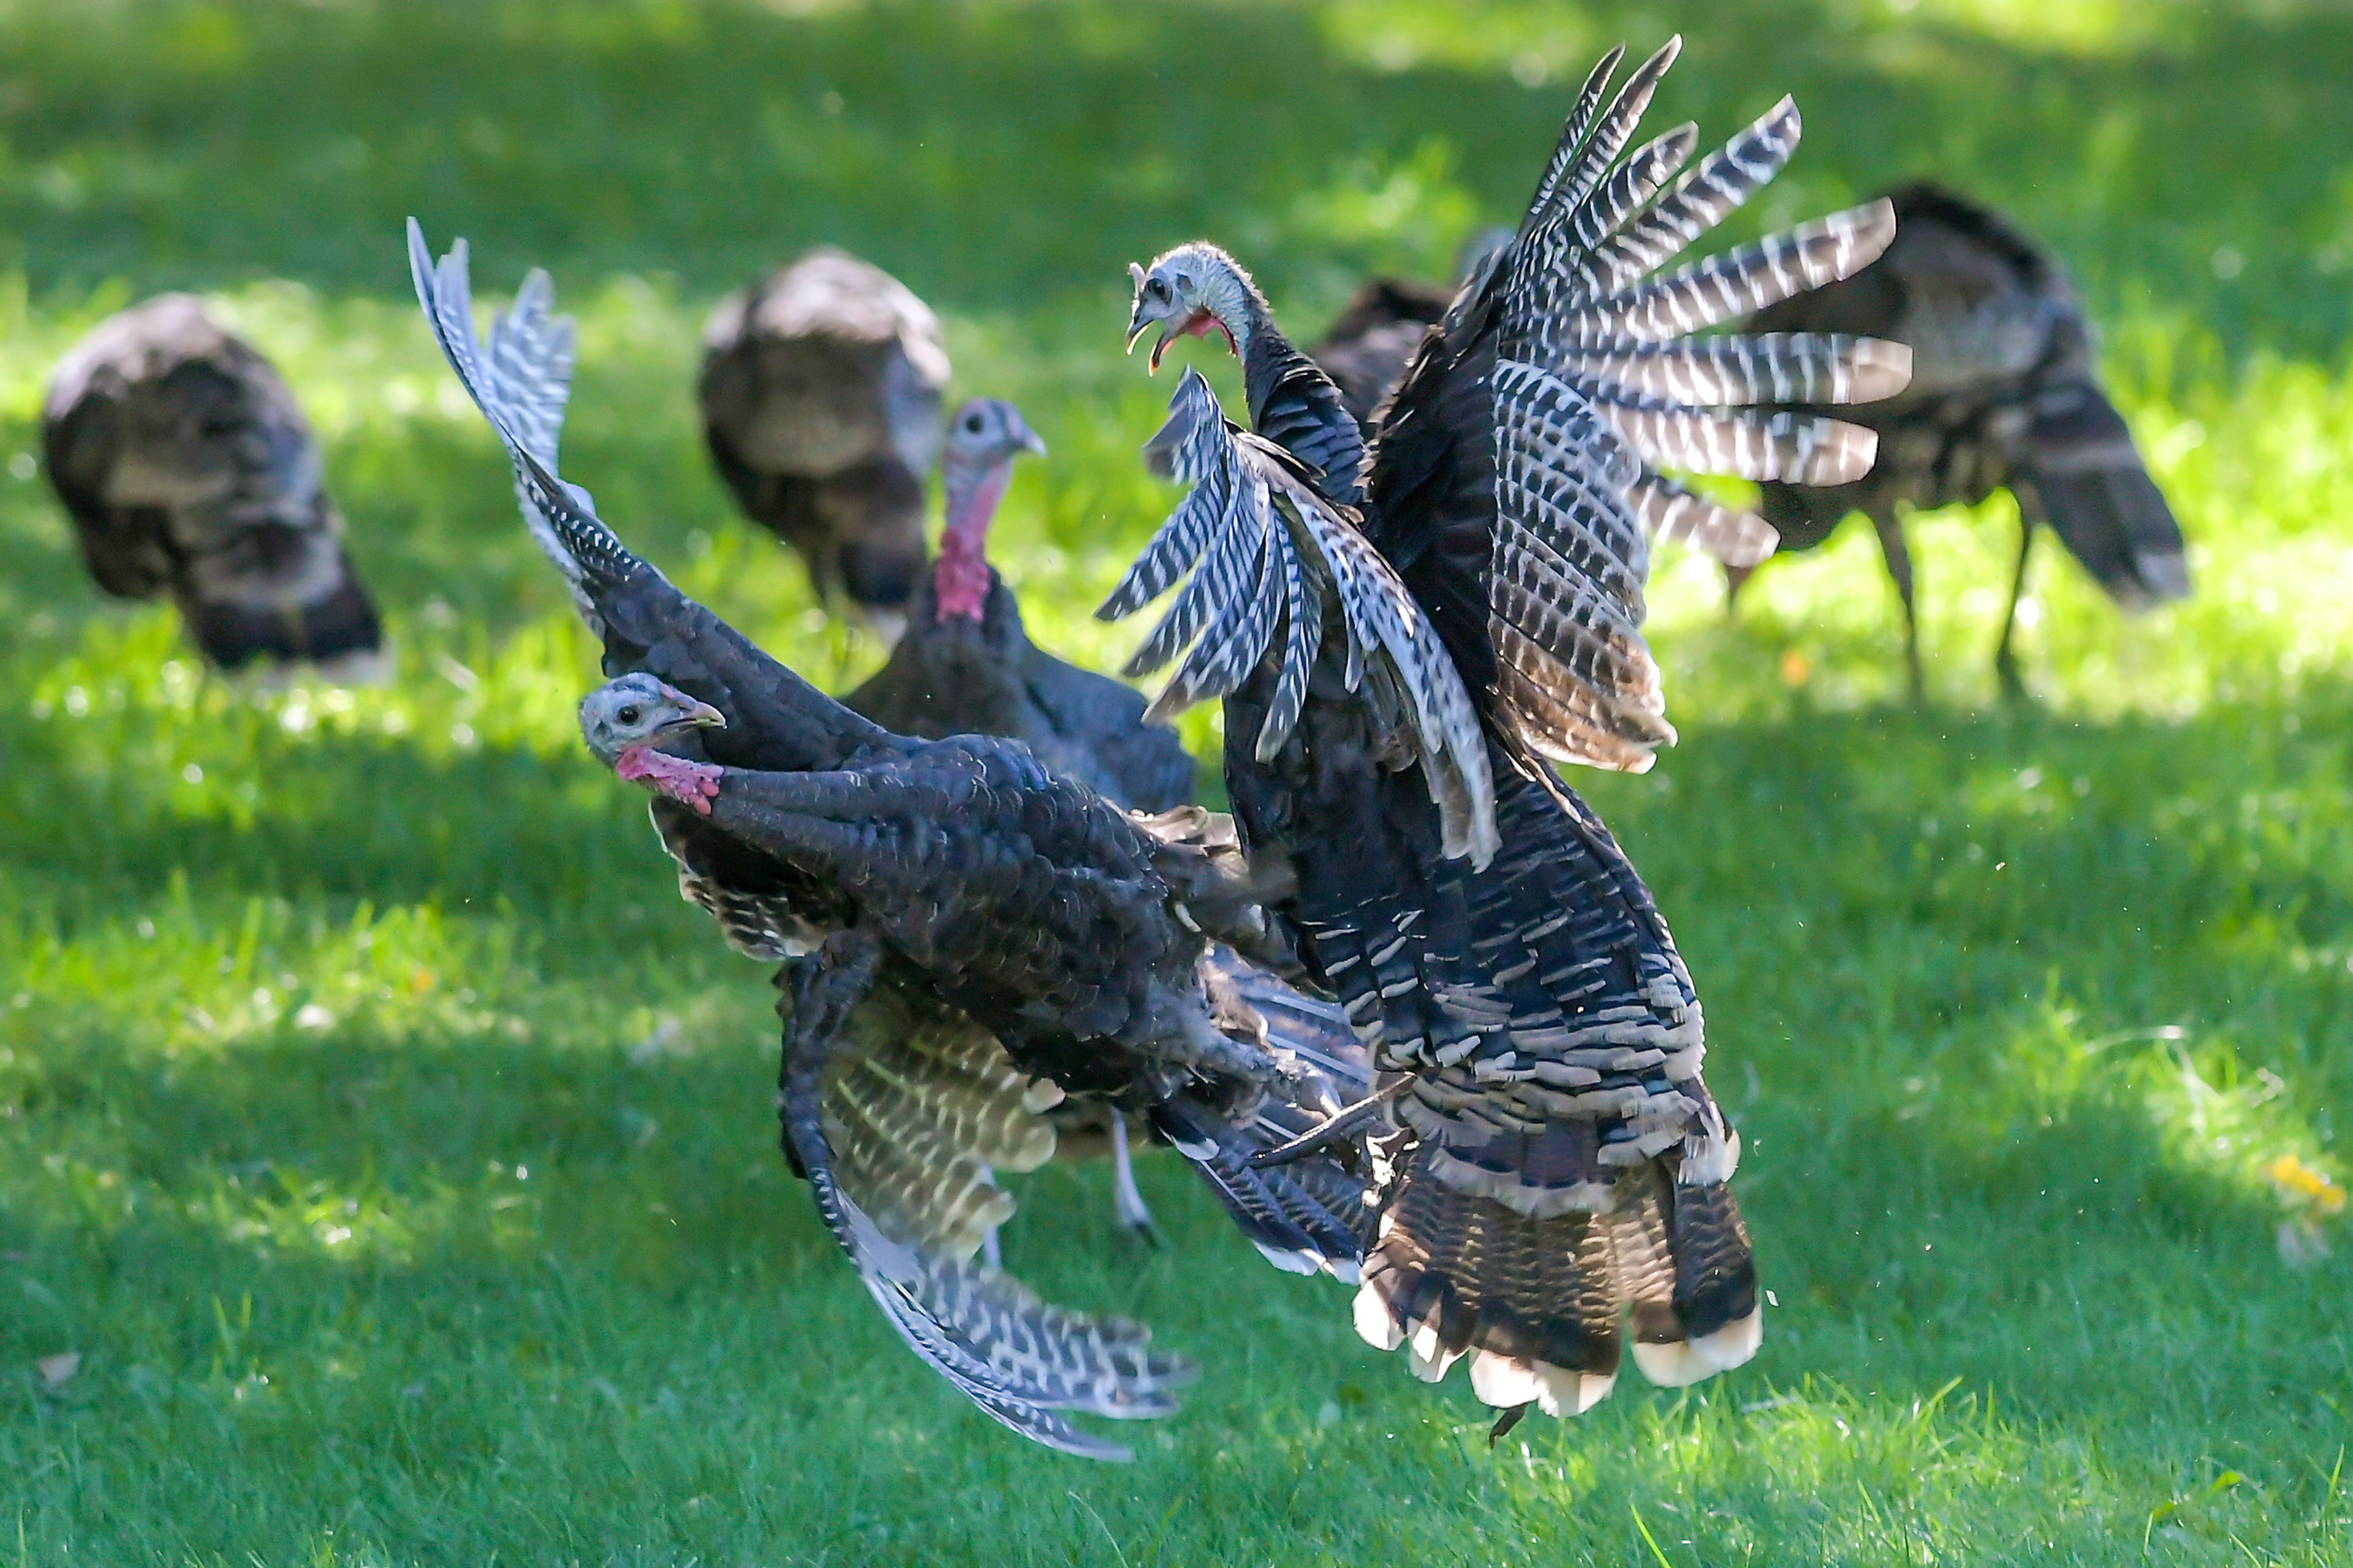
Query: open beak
[[699, 716], [1141, 316]]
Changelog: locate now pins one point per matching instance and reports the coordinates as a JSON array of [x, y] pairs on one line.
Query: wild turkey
[[821, 393], [1405, 636], [933, 889], [2003, 394], [189, 470], [1368, 346], [965, 665]]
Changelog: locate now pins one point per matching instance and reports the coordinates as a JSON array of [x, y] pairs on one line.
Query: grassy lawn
[[397, 1152]]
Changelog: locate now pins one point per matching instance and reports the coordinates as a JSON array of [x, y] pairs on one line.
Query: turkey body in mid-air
[[973, 943], [189, 470], [1407, 624], [965, 665], [2004, 395], [820, 393]]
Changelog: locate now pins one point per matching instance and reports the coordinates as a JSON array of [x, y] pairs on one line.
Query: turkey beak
[[1027, 440], [700, 716], [1141, 316]]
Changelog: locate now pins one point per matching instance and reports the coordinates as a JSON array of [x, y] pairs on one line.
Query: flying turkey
[[188, 470], [965, 665], [820, 393], [2003, 394], [927, 894], [1408, 625], [1368, 346]]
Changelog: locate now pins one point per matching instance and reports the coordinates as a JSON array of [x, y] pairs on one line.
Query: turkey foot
[[689, 784]]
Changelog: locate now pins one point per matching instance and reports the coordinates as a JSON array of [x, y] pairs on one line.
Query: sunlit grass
[[397, 1152]]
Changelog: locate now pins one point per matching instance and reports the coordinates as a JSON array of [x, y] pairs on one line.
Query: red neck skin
[[960, 580]]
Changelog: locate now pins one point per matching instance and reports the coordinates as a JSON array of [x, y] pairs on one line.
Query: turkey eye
[[973, 424], [628, 715], [1157, 289]]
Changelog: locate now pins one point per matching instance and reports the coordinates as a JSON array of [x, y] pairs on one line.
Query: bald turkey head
[[1190, 291], [624, 720], [984, 438]]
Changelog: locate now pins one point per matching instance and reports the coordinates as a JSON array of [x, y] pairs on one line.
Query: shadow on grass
[[1001, 157]]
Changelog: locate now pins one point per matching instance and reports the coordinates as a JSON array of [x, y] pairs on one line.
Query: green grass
[[397, 1152]]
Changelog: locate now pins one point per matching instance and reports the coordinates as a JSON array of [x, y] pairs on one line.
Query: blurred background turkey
[[821, 393], [378, 1010], [2004, 395], [965, 665], [189, 470]]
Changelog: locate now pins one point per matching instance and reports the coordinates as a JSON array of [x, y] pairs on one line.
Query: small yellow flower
[[2299, 1183]]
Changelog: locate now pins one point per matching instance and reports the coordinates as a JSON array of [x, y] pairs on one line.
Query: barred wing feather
[[1539, 420], [1268, 553]]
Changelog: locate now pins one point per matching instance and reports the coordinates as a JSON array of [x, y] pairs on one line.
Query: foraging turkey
[[189, 470], [933, 893], [1407, 626], [965, 665], [2004, 395], [821, 393]]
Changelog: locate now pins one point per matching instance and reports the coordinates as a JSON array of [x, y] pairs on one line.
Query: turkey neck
[[1266, 354], [960, 580]]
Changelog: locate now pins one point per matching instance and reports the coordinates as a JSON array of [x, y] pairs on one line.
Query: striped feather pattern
[[1266, 538], [563, 518], [922, 1109], [1597, 381], [1019, 1358], [1669, 512], [1738, 282], [1702, 198], [1798, 448], [1572, 130], [1777, 368]]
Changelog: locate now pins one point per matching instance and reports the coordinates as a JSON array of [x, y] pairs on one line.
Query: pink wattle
[[960, 580]]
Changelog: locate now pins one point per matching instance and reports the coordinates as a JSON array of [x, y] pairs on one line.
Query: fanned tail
[[1542, 1304]]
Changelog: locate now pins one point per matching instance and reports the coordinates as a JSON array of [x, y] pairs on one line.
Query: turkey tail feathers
[[2097, 496], [1543, 1305]]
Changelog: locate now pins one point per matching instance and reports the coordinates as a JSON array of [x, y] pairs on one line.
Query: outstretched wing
[[774, 719], [520, 385], [899, 1134], [1512, 481], [1268, 556]]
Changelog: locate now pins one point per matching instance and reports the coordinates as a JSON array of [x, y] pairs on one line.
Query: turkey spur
[[972, 941], [1407, 622]]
